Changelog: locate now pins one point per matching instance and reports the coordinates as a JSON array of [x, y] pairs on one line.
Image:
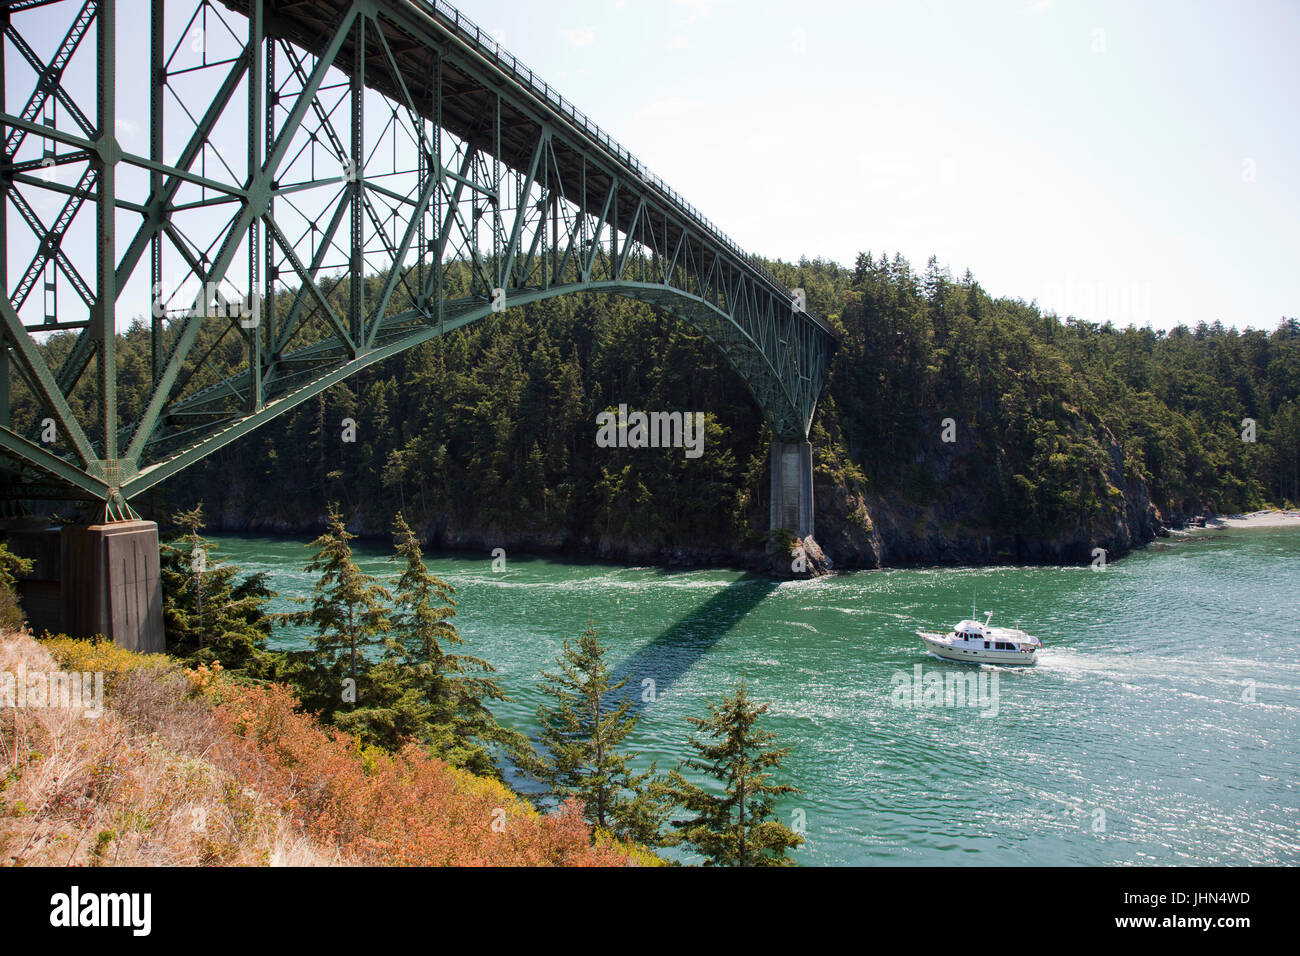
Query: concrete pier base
[[99, 580], [112, 584], [792, 487]]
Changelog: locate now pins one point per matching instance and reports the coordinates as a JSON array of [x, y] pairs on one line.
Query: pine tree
[[419, 690], [583, 735], [932, 284], [207, 613], [737, 827], [349, 612]]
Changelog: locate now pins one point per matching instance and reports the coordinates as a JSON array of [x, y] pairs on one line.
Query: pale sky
[[1133, 161]]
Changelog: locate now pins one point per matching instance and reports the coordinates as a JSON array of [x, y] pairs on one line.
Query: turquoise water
[[1161, 725]]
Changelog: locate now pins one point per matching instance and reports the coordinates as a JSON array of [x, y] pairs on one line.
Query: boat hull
[[959, 651]]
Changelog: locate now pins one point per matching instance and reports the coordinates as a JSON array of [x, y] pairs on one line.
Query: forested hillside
[[1066, 435]]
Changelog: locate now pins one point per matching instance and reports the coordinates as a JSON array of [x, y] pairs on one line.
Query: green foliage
[[583, 733], [738, 826], [491, 428], [11, 566], [1053, 417], [419, 689], [348, 613], [209, 612]]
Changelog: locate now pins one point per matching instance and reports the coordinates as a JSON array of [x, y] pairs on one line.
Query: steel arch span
[[289, 192]]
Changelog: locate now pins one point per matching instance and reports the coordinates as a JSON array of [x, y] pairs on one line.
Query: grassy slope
[[192, 768]]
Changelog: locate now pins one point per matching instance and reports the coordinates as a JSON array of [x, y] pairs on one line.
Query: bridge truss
[[284, 193]]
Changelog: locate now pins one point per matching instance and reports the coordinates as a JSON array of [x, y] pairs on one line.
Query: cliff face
[[855, 529], [945, 516], [845, 525], [442, 532], [860, 529], [940, 533]]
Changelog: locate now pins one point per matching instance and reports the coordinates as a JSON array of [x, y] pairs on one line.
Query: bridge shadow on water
[[670, 655]]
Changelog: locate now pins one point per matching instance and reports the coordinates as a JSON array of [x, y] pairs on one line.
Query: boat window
[[986, 645]]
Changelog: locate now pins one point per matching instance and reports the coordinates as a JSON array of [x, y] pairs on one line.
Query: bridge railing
[[484, 42]]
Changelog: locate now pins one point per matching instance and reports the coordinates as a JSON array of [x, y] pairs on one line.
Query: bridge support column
[[792, 487], [111, 584]]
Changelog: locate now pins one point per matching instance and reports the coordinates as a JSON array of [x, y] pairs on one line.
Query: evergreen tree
[[583, 734], [737, 827], [349, 612], [420, 690], [208, 613], [492, 427]]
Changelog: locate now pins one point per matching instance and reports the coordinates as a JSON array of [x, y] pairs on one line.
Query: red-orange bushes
[[377, 808]]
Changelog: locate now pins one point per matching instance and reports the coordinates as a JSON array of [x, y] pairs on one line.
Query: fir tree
[[208, 614], [349, 612], [738, 826], [421, 690], [583, 735]]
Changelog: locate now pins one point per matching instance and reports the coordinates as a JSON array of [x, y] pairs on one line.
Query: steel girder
[[390, 151]]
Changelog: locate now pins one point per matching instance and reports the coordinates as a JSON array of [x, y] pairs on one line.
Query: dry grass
[[407, 808], [131, 787], [187, 767]]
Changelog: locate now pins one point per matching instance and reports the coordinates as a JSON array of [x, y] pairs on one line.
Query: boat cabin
[[977, 633]]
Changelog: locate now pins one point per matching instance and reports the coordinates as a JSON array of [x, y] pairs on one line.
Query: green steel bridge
[[221, 169]]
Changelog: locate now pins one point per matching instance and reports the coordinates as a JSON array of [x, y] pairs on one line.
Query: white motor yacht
[[978, 643]]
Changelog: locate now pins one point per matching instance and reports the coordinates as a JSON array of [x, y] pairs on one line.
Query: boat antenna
[[972, 601]]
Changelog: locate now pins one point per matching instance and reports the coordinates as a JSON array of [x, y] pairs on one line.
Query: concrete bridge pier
[[95, 580], [792, 487]]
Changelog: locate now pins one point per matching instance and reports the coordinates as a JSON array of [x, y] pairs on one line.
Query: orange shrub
[[378, 808]]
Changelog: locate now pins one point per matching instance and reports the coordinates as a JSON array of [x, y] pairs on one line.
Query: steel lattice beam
[[467, 185]]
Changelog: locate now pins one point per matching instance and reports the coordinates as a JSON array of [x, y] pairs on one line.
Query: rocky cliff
[[856, 529]]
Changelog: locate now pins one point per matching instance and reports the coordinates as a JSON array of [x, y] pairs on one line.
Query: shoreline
[[1256, 519], [686, 560]]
